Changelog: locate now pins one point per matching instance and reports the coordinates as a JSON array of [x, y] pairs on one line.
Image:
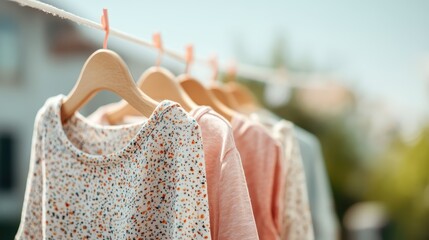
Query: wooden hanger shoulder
[[159, 84], [243, 96], [105, 70], [202, 96], [225, 97]]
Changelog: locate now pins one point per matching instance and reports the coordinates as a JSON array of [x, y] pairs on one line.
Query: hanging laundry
[[145, 180], [231, 214], [325, 221]]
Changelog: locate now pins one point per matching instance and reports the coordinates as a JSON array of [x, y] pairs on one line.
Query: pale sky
[[380, 47]]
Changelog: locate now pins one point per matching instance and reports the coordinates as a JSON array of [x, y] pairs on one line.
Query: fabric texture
[[324, 218], [262, 158], [231, 215], [139, 181], [297, 222]]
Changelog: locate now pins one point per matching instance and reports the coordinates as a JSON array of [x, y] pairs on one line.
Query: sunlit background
[[363, 90]]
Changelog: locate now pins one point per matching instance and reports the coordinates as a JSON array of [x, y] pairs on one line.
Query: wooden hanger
[[198, 93], [203, 96], [220, 94], [159, 84], [105, 70], [241, 94], [219, 91]]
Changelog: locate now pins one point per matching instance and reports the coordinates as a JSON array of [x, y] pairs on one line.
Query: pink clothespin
[[232, 70], [189, 57], [157, 42], [106, 27], [215, 66]]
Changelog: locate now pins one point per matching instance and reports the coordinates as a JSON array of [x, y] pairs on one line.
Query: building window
[[66, 39], [7, 158], [9, 49]]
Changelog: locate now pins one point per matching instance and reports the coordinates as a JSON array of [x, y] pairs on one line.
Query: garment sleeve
[[278, 189], [236, 220], [192, 198], [31, 217]]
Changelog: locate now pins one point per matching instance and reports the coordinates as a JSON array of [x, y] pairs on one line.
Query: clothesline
[[261, 74]]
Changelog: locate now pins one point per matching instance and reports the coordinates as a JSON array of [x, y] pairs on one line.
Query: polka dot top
[[138, 181]]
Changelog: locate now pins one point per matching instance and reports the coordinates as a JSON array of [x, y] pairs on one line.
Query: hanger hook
[[215, 66], [157, 42], [105, 25], [189, 57]]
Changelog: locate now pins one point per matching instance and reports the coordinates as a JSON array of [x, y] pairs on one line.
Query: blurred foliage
[[401, 181]]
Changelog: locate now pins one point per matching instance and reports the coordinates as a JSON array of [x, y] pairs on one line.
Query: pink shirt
[[231, 214], [262, 162]]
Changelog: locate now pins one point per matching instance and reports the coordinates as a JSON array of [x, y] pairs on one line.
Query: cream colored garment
[[231, 215], [297, 223], [262, 161]]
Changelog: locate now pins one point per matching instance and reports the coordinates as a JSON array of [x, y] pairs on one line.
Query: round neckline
[[197, 112], [123, 153]]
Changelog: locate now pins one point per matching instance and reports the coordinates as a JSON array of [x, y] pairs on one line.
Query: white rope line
[[251, 72]]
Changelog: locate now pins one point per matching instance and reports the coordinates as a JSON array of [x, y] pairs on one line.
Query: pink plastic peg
[[215, 66], [106, 27], [157, 42], [232, 70], [189, 57]]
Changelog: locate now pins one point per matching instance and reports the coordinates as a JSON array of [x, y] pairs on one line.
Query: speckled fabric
[[136, 181], [297, 222]]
